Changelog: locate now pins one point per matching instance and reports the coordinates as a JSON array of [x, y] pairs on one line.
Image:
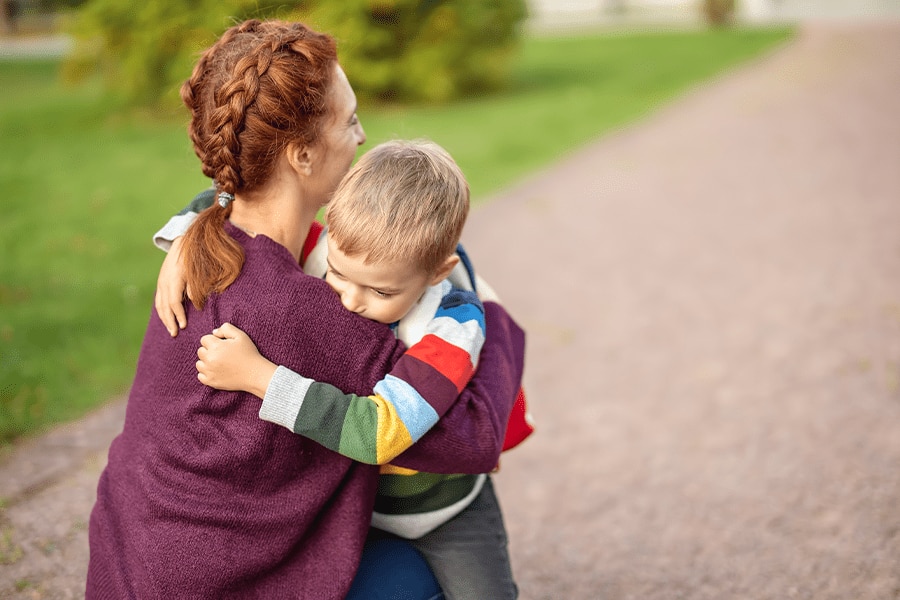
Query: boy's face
[[380, 292]]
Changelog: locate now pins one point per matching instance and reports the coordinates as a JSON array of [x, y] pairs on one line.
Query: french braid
[[261, 86]]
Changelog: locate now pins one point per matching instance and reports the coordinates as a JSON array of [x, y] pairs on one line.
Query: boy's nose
[[351, 301]]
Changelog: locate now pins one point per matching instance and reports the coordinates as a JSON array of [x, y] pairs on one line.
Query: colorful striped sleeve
[[410, 399]]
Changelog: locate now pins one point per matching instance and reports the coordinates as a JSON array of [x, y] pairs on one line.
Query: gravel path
[[713, 303], [714, 323]]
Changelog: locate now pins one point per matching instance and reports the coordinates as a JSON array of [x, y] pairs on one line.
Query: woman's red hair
[[260, 87]]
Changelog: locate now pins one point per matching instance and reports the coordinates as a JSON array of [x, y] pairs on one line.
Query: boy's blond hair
[[402, 201]]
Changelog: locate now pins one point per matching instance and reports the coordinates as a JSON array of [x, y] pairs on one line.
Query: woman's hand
[[171, 289], [229, 360]]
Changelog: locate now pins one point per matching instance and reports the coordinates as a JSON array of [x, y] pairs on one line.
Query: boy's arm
[[469, 437], [170, 284], [410, 399], [170, 288], [177, 225]]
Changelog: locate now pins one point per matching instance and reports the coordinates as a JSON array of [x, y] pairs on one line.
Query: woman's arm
[[469, 437], [170, 284]]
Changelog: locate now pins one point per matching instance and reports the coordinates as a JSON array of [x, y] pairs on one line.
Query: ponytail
[[212, 258]]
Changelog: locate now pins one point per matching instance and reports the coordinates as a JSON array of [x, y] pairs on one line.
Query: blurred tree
[[392, 50], [421, 50], [9, 12], [54, 5], [145, 50], [718, 13]]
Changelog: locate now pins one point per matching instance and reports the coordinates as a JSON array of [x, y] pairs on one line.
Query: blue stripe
[[414, 411], [462, 313], [467, 263]]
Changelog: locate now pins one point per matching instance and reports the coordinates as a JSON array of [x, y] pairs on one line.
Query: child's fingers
[[180, 315], [226, 331], [206, 341], [165, 315], [173, 307]]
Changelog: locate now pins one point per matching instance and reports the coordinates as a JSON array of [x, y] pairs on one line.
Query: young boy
[[393, 229]]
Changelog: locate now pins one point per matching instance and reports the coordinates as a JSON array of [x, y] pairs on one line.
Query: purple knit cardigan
[[202, 499]]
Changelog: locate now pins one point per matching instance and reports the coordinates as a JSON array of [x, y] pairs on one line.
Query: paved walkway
[[713, 303]]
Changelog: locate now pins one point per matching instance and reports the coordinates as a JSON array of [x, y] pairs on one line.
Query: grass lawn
[[85, 185]]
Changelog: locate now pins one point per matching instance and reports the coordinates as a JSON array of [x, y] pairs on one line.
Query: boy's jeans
[[468, 554]]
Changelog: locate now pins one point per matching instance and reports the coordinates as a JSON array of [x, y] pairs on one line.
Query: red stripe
[[311, 238], [451, 361], [519, 428]]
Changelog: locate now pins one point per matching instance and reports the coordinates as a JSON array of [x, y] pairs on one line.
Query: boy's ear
[[301, 158], [443, 271]]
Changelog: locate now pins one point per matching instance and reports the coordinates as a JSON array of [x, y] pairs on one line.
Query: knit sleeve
[[406, 403]]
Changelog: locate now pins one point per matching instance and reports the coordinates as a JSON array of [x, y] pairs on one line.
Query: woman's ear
[[301, 158], [443, 271]]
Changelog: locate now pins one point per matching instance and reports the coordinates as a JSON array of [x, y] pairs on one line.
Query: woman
[[200, 498]]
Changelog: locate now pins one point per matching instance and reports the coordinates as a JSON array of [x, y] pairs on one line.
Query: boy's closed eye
[[331, 271]]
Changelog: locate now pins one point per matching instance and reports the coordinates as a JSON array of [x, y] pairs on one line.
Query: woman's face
[[342, 135]]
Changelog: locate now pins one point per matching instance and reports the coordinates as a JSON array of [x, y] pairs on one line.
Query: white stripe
[[316, 263], [468, 336], [413, 526], [412, 326], [174, 227]]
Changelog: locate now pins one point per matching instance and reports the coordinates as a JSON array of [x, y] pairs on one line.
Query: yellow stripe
[[395, 470], [393, 437]]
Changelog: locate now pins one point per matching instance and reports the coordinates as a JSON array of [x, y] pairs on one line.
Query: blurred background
[[95, 155]]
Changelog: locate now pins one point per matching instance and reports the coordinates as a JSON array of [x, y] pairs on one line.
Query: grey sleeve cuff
[[175, 227], [284, 397]]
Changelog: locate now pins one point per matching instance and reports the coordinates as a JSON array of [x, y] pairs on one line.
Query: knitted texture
[[201, 499]]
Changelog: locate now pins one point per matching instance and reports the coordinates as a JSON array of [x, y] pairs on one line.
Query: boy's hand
[[230, 361], [170, 291]]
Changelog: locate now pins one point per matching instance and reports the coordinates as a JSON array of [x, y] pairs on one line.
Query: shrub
[[422, 50], [145, 50], [397, 50]]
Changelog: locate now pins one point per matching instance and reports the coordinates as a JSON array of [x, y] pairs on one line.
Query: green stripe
[[321, 416], [360, 430], [433, 492]]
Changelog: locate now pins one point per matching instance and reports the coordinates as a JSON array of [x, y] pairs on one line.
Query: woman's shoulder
[[296, 314], [272, 281]]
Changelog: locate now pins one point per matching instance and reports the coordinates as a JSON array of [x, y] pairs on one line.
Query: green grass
[[84, 185]]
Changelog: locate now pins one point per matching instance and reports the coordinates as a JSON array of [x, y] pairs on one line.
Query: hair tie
[[225, 199]]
